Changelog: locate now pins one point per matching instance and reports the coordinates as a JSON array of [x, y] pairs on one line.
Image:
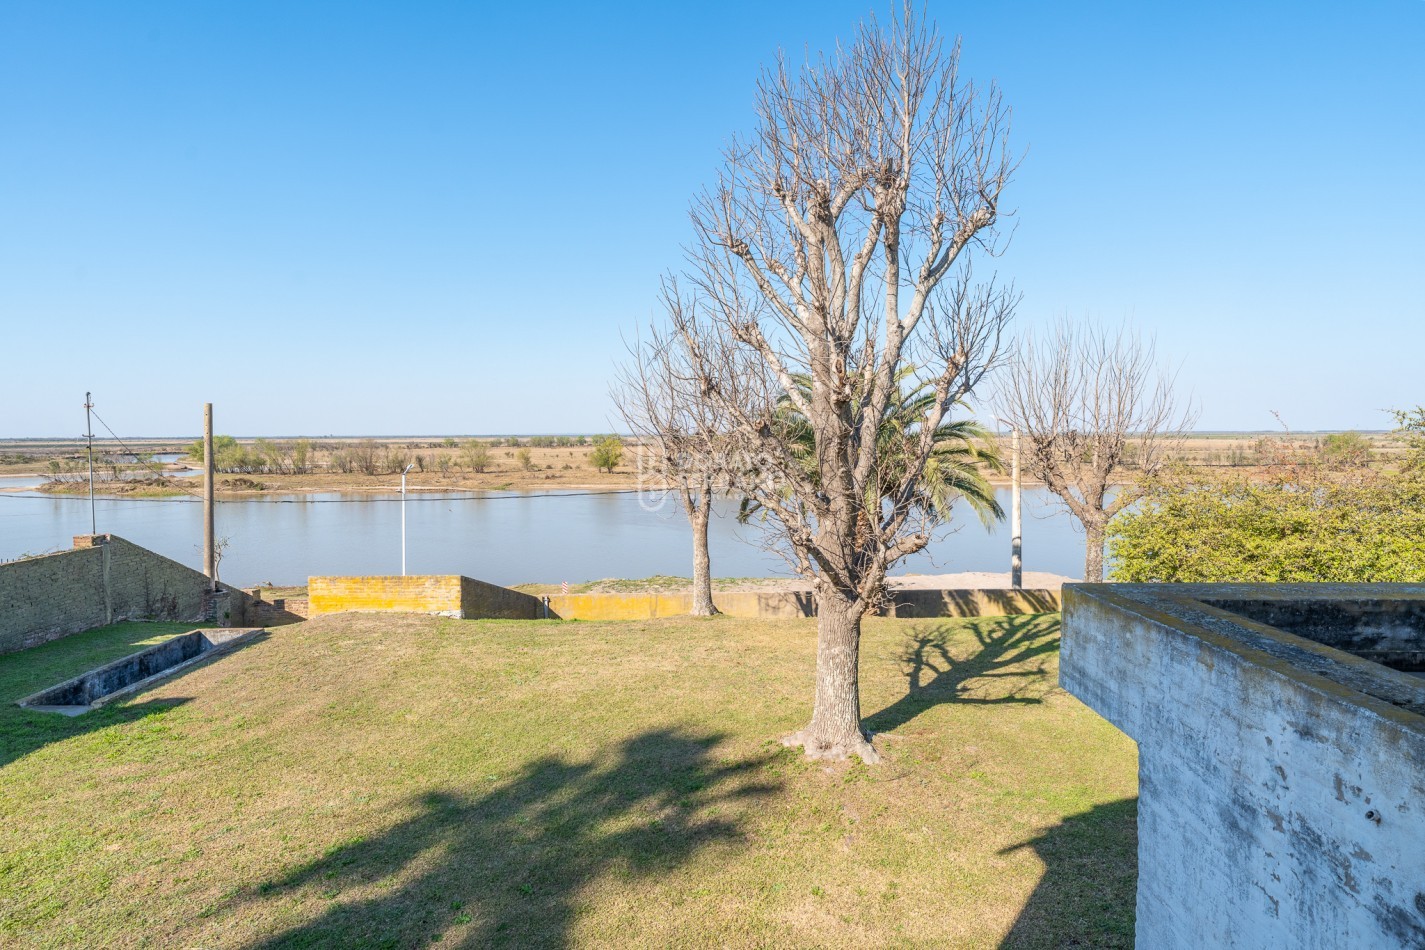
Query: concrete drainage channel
[[135, 672]]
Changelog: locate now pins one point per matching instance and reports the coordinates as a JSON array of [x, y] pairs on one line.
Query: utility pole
[[1016, 559], [210, 563], [89, 435]]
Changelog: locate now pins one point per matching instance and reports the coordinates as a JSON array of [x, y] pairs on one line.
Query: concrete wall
[[479, 599], [103, 579], [1282, 782], [645, 606], [451, 595], [438, 594], [904, 603]]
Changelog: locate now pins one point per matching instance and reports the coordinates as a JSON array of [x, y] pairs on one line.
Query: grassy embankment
[[366, 780]]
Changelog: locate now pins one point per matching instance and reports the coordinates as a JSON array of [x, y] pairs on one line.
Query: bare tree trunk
[[835, 729], [702, 566], [1093, 553]]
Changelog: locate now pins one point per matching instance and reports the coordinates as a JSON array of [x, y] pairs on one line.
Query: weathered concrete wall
[[479, 599], [438, 594], [454, 596], [904, 603], [103, 580], [647, 605], [1282, 782], [987, 602]]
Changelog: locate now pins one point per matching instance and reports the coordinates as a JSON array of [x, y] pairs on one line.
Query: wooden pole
[[210, 566]]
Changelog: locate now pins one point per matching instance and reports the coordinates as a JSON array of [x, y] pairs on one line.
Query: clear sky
[[422, 217]]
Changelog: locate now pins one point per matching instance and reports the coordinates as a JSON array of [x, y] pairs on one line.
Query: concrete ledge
[[1282, 778]]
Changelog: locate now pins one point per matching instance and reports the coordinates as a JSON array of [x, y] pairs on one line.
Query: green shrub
[[475, 455], [1299, 525], [608, 452]]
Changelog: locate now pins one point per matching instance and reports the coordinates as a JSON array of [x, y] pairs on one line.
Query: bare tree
[[1091, 402], [684, 440], [833, 248]]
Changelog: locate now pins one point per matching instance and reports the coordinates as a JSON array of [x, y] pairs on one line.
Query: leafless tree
[[1090, 402], [685, 442], [833, 249]]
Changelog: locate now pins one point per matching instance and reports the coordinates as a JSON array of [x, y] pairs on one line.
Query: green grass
[[22, 732], [30, 670], [384, 780]]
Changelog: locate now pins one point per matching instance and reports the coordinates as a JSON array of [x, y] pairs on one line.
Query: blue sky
[[440, 217]]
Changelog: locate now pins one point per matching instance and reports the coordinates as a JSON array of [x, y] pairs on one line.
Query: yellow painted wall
[[453, 596], [922, 603], [427, 594]]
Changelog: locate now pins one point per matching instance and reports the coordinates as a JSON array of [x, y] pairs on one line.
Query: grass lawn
[[400, 781]]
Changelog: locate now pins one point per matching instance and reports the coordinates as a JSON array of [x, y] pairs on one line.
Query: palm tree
[[963, 451]]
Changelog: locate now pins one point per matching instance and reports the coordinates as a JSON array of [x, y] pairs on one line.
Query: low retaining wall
[[451, 595], [437, 594], [276, 612], [104, 579], [1281, 779], [752, 604], [444, 595]]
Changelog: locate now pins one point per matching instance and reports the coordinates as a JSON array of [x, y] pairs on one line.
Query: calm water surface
[[505, 538]]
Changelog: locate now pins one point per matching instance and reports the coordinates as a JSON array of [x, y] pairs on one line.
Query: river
[[501, 537]]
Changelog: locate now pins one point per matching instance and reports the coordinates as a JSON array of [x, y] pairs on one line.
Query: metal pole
[[1016, 559], [89, 435], [210, 563], [403, 517]]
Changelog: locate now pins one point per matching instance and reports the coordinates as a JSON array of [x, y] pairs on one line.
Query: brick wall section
[[438, 594], [103, 580], [276, 612]]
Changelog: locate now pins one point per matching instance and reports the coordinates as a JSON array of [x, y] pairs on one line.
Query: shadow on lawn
[[23, 731], [508, 868], [935, 676], [1087, 894]]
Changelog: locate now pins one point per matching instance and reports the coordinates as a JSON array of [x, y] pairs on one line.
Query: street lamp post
[[403, 518]]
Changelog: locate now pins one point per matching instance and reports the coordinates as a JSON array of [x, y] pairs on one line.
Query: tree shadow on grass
[[997, 672], [23, 731], [1087, 895], [508, 868]]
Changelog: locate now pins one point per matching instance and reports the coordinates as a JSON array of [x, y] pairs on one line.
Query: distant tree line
[[263, 456]]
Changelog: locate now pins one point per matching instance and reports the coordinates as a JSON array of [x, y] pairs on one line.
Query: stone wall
[[1281, 780], [103, 579]]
